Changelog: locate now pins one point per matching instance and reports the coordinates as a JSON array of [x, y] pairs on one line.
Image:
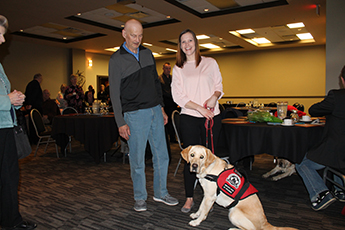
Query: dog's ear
[[210, 157], [185, 152]]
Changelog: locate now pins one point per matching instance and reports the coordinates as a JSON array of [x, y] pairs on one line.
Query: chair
[[175, 118], [328, 177], [43, 135], [241, 104], [69, 110]]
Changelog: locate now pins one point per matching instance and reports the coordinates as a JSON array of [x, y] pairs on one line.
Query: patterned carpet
[[75, 193]]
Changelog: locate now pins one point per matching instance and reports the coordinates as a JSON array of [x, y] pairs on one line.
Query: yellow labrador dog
[[247, 214]]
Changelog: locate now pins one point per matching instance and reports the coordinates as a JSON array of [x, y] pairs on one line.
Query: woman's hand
[[208, 114], [16, 97]]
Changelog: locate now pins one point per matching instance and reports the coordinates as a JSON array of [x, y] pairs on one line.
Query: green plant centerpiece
[[262, 116]]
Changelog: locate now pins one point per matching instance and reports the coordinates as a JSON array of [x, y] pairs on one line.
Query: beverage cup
[[287, 122], [282, 109], [306, 118]]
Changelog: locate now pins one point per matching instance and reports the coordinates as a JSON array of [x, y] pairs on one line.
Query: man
[[33, 93], [169, 104], [329, 152], [136, 96], [34, 100], [49, 107]]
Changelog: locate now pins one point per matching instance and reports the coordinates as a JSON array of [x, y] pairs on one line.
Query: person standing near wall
[[10, 217]]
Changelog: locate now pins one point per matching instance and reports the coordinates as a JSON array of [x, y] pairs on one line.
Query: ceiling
[[98, 27]]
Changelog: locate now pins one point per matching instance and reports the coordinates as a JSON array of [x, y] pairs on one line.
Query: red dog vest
[[233, 184]]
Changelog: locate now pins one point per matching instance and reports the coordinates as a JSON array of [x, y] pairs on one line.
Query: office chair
[[43, 135]]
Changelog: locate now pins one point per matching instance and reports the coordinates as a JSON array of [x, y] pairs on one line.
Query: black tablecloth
[[255, 138], [96, 132]]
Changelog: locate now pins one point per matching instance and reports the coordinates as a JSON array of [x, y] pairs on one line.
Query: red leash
[[208, 126]]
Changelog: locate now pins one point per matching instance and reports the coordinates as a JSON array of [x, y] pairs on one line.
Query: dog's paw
[[194, 215], [266, 175], [194, 223]]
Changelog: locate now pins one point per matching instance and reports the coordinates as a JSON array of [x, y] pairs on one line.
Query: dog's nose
[[194, 166]]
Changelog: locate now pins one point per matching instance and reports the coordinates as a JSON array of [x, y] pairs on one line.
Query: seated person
[[62, 103], [50, 108], [102, 95], [329, 152], [90, 89], [88, 100]]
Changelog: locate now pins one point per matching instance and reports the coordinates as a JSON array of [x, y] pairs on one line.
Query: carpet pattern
[[73, 192]]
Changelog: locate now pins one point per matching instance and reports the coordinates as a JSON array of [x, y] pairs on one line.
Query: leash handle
[[208, 126]]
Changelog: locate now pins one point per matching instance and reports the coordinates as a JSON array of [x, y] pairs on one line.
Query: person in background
[[62, 103], [50, 108], [169, 104], [102, 95], [329, 152], [196, 87], [136, 96], [92, 90], [10, 217], [33, 100], [74, 94], [88, 100]]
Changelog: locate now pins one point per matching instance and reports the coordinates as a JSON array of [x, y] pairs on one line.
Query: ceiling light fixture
[[295, 25], [210, 46], [202, 36], [147, 44], [206, 10], [245, 31], [172, 50], [113, 49], [305, 36], [261, 40]]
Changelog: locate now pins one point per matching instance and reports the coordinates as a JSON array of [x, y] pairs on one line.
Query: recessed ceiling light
[[261, 40], [202, 36], [64, 38], [171, 50], [147, 44], [112, 49], [245, 31], [205, 10], [209, 46], [304, 36], [168, 16], [79, 14], [295, 25]]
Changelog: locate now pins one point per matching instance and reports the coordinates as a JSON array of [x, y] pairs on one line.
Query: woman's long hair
[[181, 56], [4, 22]]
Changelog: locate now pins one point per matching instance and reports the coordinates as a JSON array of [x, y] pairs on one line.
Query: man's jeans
[[147, 124], [311, 178]]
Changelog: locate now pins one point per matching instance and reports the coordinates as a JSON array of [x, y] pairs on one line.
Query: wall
[[22, 61], [99, 67], [281, 72]]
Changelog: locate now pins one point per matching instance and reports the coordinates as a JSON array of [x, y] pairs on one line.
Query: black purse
[[22, 142]]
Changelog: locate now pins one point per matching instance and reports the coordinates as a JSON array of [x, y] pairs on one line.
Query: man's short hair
[[167, 63], [37, 75]]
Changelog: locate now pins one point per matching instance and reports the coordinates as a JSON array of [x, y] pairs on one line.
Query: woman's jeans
[[147, 124], [307, 169]]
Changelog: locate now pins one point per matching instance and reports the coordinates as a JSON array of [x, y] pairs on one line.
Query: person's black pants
[[9, 176], [193, 132]]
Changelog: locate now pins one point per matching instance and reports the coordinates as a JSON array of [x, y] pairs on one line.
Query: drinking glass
[[282, 109]]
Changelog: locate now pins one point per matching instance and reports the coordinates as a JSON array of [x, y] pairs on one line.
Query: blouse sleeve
[[177, 87]]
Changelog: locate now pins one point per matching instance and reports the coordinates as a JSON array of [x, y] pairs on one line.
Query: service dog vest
[[233, 184]]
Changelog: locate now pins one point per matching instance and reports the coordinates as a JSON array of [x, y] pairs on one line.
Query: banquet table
[[97, 132], [246, 139]]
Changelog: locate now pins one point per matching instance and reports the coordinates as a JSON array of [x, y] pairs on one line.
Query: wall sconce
[[90, 63]]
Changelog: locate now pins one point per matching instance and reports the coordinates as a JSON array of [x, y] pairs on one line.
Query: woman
[[62, 103], [74, 94], [196, 88], [9, 172]]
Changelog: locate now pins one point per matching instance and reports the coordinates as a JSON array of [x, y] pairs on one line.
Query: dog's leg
[[288, 172], [272, 172], [239, 219], [207, 202]]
